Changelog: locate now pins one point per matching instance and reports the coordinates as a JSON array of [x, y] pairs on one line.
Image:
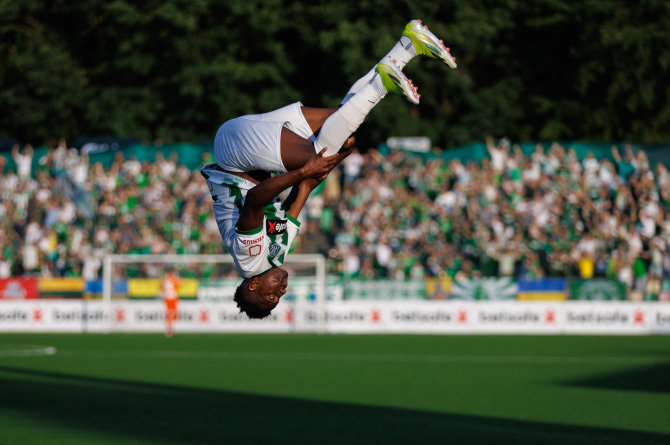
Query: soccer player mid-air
[[302, 145]]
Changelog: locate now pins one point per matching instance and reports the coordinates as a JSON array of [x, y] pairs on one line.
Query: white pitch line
[[26, 350], [397, 358]]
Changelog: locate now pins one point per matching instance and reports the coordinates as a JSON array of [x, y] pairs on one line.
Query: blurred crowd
[[64, 216], [526, 216]]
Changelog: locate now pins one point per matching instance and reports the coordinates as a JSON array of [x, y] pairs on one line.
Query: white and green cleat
[[427, 44], [395, 81]]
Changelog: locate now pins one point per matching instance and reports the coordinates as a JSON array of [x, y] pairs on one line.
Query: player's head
[[258, 295]]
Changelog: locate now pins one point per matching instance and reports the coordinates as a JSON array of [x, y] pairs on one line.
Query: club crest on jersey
[[274, 250], [276, 226]]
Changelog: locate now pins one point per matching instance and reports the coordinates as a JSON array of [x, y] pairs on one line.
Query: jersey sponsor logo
[[253, 241], [276, 226]]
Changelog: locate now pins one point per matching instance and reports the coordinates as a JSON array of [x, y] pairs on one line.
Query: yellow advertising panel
[[144, 288], [151, 288], [542, 296], [61, 285], [188, 288], [438, 288]]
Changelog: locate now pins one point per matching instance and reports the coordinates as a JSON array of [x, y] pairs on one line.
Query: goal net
[[135, 288]]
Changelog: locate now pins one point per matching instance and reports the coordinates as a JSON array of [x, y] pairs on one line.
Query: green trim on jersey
[[292, 219], [248, 232]]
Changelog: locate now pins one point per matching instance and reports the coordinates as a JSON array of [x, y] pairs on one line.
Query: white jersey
[[255, 251]]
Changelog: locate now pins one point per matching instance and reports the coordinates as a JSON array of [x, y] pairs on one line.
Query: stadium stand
[[542, 214]]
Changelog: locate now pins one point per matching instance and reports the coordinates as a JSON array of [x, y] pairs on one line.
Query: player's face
[[271, 287]]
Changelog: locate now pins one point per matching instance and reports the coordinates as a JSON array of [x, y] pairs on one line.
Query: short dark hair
[[246, 307]]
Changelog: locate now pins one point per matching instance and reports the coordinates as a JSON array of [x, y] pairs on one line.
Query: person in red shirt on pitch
[[170, 288]]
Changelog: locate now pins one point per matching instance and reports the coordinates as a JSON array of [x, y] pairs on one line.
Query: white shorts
[[252, 142]]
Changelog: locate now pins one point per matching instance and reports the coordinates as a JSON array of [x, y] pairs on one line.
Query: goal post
[[306, 288]]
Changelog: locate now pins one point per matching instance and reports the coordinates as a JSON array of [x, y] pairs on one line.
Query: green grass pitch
[[335, 389]]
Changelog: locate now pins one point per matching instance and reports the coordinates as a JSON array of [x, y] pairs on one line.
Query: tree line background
[[593, 70]]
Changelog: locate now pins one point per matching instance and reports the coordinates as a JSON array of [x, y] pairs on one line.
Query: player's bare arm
[[261, 195], [296, 200]]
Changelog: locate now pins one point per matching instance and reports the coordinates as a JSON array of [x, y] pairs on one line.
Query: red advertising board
[[18, 288]]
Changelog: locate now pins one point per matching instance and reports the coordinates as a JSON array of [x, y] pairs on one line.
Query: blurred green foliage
[[176, 69]]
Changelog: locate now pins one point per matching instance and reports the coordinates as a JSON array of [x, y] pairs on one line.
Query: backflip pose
[[302, 145]]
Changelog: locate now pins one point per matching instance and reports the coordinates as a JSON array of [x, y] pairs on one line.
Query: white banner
[[399, 316], [195, 317], [418, 143], [50, 316], [611, 318]]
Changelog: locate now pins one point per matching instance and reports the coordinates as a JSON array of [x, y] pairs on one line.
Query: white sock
[[360, 83], [345, 121], [402, 53]]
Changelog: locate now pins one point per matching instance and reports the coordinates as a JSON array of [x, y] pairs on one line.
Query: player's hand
[[344, 152], [311, 183], [320, 165]]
